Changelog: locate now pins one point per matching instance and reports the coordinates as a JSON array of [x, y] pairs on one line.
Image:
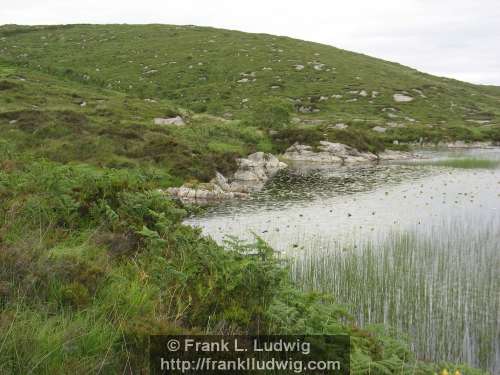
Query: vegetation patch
[[467, 163], [94, 258]]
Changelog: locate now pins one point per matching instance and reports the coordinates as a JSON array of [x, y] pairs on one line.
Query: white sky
[[454, 38]]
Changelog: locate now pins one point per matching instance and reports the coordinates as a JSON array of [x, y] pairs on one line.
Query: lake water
[[434, 230]]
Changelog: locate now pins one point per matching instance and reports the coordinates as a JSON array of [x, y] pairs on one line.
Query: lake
[[411, 245]]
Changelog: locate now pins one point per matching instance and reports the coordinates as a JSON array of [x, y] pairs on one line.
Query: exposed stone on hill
[[379, 129], [340, 126], [177, 121], [402, 98]]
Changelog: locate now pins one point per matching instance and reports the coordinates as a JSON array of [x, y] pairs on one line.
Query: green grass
[[467, 163], [93, 259], [198, 68]]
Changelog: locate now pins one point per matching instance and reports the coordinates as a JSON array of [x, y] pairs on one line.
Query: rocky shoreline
[[338, 153], [256, 169], [252, 174]]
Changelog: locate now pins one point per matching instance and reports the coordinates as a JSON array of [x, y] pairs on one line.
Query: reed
[[466, 163], [439, 287]]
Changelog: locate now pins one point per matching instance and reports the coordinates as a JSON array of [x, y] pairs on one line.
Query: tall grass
[[440, 288], [466, 163]]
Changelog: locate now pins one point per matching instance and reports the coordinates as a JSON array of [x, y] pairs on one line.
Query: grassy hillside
[[93, 259], [226, 72], [66, 121]]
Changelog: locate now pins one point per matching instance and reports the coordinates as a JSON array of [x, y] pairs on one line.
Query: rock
[[252, 174], [328, 152], [419, 92], [363, 93], [254, 171], [248, 176], [481, 122], [200, 194], [299, 67], [379, 129], [299, 152], [340, 126], [338, 153], [386, 109], [177, 121], [402, 98], [221, 181], [305, 109]]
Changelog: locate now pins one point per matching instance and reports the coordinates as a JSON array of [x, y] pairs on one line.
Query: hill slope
[[94, 259], [225, 72]]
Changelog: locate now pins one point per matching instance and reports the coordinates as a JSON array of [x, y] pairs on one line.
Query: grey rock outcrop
[[176, 121], [328, 152], [252, 174], [402, 98], [338, 153], [379, 129]]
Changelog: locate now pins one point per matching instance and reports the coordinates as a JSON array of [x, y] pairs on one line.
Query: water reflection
[[357, 202]]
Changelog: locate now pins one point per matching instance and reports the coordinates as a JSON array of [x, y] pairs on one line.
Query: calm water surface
[[346, 229], [355, 203]]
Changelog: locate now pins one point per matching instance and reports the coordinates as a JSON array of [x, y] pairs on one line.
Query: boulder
[[176, 121], [252, 174], [402, 98], [328, 152], [298, 152], [220, 181], [340, 126], [379, 129], [257, 167]]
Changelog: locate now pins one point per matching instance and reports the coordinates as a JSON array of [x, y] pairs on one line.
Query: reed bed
[[465, 163], [439, 286]]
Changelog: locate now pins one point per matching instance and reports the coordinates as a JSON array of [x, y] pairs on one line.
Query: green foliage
[[94, 256], [94, 261], [271, 113], [467, 163]]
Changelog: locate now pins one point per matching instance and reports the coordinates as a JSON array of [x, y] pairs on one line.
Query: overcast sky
[[453, 38]]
